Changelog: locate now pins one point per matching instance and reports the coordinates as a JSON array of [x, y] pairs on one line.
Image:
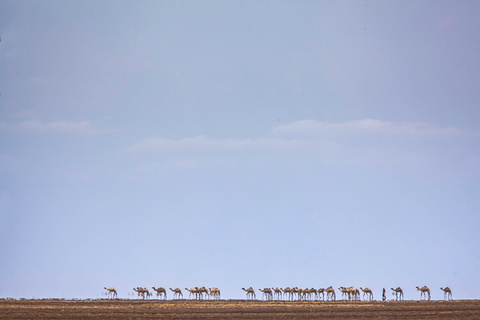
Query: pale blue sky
[[237, 144]]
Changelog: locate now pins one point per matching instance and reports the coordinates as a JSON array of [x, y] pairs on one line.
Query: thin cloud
[[55, 127], [345, 141], [202, 144], [316, 129]]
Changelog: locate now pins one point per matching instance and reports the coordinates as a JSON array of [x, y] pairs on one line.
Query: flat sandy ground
[[236, 309]]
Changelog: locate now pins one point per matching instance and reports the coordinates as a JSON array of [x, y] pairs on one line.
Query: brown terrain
[[236, 309]]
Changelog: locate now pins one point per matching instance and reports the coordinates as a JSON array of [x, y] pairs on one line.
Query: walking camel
[[300, 292], [288, 293], [447, 293], [297, 291], [177, 293], [307, 293], [203, 291], [367, 292], [423, 292], [161, 292], [331, 293], [312, 293], [194, 291], [344, 292], [356, 294], [353, 293], [277, 293], [267, 293], [350, 293], [250, 293], [111, 292], [214, 293], [138, 291], [142, 292], [322, 292], [398, 293]]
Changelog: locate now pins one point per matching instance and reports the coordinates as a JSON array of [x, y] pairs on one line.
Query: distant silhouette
[[447, 293], [111, 292], [176, 293], [161, 292], [367, 292], [423, 292], [384, 297], [250, 293], [398, 293]]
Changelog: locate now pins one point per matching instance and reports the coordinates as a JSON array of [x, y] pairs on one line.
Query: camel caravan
[[295, 293], [328, 294], [271, 294], [195, 293]]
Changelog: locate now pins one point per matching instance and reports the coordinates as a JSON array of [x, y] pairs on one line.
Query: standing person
[[384, 297]]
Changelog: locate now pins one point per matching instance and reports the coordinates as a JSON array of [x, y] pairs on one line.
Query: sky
[[239, 143]]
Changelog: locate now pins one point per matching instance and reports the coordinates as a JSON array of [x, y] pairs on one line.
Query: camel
[[322, 292], [303, 294], [353, 293], [142, 292], [347, 293], [198, 292], [177, 293], [367, 292], [306, 294], [277, 293], [350, 293], [146, 292], [299, 292], [398, 293], [447, 293], [423, 292], [288, 291], [250, 293], [203, 291], [331, 293], [193, 291], [296, 291], [138, 291], [218, 293], [161, 292], [309, 294], [214, 293], [111, 291], [211, 293], [267, 293]]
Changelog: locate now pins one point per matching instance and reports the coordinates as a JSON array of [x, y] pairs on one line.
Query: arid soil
[[236, 309]]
